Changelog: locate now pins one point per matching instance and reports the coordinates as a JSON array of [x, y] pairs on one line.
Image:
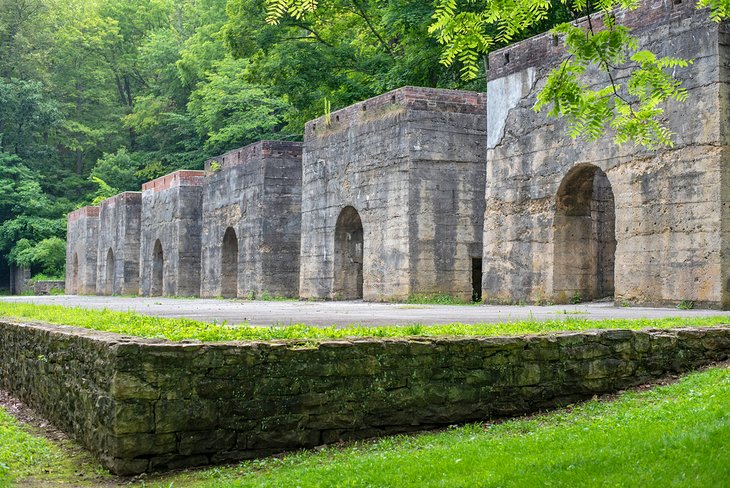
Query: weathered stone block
[[134, 445], [206, 442], [185, 415], [118, 251], [127, 386], [132, 417], [252, 221], [288, 439], [83, 239], [391, 197], [527, 374]]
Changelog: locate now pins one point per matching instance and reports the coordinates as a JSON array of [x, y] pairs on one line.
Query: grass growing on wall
[[176, 329]]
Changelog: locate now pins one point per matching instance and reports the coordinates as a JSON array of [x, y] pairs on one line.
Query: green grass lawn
[[29, 459], [135, 324], [21, 453]]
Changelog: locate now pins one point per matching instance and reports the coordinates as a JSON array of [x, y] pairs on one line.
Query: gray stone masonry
[[145, 405], [252, 222], [82, 238], [47, 287], [567, 217], [392, 196], [118, 251], [19, 278], [171, 230]]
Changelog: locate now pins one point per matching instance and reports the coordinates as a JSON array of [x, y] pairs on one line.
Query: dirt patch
[[27, 416]]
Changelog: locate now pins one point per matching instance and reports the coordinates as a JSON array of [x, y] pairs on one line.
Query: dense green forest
[[98, 96]]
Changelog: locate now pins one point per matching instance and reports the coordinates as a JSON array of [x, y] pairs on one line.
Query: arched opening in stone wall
[[476, 280], [229, 264], [109, 273], [348, 283], [158, 270], [75, 274], [584, 236]]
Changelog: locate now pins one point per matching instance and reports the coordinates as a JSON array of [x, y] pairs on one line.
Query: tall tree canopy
[[97, 96]]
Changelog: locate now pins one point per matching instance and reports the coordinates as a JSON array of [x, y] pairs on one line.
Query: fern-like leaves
[[632, 110]]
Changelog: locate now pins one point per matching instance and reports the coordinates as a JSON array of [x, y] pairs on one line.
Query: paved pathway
[[352, 312]]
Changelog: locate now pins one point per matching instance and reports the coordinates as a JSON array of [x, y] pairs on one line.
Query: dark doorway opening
[[75, 275], [5, 277], [158, 268], [109, 275], [349, 244], [476, 279], [584, 236], [229, 264]]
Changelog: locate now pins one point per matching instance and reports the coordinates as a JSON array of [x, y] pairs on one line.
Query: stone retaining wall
[[146, 405], [45, 287]]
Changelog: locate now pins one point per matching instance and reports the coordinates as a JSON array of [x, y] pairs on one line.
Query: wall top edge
[[120, 340], [547, 50], [184, 177], [127, 196], [409, 98], [88, 211], [257, 150]]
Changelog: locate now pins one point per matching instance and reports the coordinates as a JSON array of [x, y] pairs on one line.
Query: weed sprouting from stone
[[686, 305]]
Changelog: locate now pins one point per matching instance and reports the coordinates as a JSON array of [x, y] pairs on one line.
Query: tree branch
[[365, 17]]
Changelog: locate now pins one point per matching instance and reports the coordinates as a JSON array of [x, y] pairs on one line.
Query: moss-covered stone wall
[[146, 405]]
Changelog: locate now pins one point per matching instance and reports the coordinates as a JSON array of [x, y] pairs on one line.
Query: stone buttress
[[118, 250]]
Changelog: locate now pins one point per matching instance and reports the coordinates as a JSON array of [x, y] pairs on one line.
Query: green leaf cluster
[[633, 111], [719, 9], [48, 256]]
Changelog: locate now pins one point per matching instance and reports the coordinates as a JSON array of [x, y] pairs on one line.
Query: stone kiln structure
[[393, 206], [171, 229], [251, 221], [83, 236], [393, 197], [418, 191], [569, 218], [118, 248]]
